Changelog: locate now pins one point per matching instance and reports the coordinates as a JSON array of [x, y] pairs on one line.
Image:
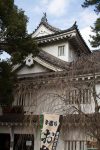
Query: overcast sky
[[60, 13]]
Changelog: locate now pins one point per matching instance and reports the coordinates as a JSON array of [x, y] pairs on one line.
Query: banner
[[50, 132]]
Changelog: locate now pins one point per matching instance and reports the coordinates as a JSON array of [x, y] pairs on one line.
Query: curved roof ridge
[[73, 27], [44, 21]]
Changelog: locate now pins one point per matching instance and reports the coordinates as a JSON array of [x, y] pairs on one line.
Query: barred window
[[75, 145], [80, 145], [79, 96], [20, 101]]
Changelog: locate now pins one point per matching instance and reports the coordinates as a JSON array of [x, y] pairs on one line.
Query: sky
[[60, 13]]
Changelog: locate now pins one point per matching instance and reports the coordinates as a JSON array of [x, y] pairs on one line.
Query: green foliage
[[7, 80], [95, 42], [95, 3], [12, 20], [96, 39], [15, 40], [20, 48]]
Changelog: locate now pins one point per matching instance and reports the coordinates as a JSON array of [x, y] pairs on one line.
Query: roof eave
[[55, 37], [69, 35]]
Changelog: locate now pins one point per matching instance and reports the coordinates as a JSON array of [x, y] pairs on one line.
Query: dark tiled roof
[[12, 118], [50, 27], [16, 118], [81, 120], [53, 60]]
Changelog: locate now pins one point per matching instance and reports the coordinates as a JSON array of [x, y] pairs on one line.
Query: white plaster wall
[[98, 92], [72, 54], [50, 99], [74, 134], [41, 31], [88, 108], [53, 50], [37, 68], [46, 99], [85, 108]]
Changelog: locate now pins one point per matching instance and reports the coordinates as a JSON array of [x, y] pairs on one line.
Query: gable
[[33, 66], [36, 68], [42, 31]]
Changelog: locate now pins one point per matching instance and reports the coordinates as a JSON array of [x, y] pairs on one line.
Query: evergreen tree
[[7, 80], [15, 40], [95, 42]]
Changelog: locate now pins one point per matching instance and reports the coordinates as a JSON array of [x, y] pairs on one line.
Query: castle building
[[43, 86]]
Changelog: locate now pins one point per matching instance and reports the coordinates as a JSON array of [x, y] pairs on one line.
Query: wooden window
[[75, 145], [79, 96], [61, 51]]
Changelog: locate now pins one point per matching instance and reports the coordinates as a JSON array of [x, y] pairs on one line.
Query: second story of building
[[66, 45]]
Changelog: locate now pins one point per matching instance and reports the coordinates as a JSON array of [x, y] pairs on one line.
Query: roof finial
[[44, 18], [75, 24]]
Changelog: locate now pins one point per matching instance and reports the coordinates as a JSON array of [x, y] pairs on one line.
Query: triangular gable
[[38, 66], [42, 31], [35, 68]]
